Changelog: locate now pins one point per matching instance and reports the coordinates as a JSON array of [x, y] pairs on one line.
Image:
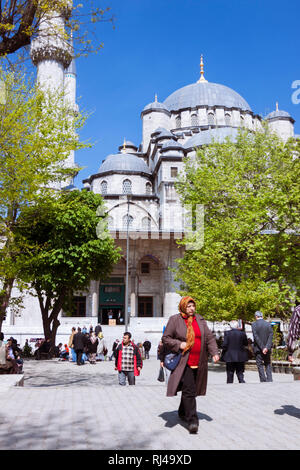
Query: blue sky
[[252, 46]]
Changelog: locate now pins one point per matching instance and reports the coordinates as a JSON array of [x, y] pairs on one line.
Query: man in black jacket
[[147, 347], [262, 336], [79, 341], [234, 352]]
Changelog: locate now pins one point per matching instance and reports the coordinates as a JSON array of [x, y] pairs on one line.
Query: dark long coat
[[234, 346], [174, 335]]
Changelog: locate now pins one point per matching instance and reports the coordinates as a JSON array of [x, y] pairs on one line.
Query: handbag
[[161, 375], [172, 360]]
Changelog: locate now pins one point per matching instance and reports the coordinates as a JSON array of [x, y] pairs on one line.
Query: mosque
[[144, 212]]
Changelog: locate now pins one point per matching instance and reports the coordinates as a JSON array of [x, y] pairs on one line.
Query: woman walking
[[188, 333]]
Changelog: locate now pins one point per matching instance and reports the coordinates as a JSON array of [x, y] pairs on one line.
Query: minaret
[[70, 96], [50, 51]]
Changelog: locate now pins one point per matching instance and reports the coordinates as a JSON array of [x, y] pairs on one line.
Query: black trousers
[[78, 356], [188, 405], [263, 362], [231, 368]]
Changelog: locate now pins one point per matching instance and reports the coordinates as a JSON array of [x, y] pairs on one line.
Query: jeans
[[130, 376]]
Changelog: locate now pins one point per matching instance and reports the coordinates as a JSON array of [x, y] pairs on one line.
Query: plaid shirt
[[127, 358]]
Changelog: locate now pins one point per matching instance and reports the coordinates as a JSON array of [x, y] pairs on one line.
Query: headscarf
[[190, 334]]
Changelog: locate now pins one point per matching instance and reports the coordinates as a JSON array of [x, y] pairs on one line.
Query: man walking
[[262, 336], [128, 360], [79, 342], [234, 352]]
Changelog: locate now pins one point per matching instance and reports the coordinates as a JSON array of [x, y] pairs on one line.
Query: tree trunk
[[4, 298], [50, 313]]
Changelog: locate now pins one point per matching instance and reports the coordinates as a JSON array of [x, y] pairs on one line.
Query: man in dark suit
[[234, 352], [79, 342], [262, 336]]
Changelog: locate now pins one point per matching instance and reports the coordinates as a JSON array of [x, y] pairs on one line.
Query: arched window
[[211, 119], [242, 120], [104, 187], [127, 220], [146, 223], [178, 121], [227, 119], [127, 187], [194, 120], [148, 188]]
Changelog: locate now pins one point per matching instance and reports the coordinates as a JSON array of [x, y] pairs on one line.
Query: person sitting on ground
[[64, 355]]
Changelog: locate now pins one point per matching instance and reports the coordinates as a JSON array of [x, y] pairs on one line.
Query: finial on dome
[[276, 105], [124, 144], [155, 98], [202, 79]]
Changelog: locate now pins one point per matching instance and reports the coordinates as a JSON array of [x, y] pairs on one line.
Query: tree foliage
[[20, 21], [250, 259], [61, 250], [37, 133]]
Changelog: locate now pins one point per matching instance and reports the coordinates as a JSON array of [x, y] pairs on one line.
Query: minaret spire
[[202, 79]]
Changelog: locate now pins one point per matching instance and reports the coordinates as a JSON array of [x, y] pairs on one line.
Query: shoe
[[193, 428]]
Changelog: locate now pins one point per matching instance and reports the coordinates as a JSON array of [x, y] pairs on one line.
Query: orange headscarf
[[190, 334]]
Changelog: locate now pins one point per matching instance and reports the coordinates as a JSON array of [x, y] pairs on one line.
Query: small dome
[[206, 137], [155, 106], [162, 133], [124, 162], [172, 145], [205, 94], [278, 114]]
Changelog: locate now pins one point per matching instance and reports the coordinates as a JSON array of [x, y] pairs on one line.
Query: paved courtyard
[[65, 407]]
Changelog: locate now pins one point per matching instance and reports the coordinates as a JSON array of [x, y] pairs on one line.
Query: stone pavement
[[65, 407]]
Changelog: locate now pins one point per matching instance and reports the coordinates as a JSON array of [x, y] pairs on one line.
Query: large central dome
[[205, 94]]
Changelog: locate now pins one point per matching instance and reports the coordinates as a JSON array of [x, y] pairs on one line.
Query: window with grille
[[127, 187], [145, 268], [104, 187], [148, 188], [146, 223], [227, 119], [174, 171], [194, 120], [178, 121], [127, 220], [211, 119]]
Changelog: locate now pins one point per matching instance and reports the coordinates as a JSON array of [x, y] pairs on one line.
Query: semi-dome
[[205, 94], [215, 134], [124, 163]]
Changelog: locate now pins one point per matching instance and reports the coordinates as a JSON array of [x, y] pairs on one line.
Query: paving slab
[[66, 407]]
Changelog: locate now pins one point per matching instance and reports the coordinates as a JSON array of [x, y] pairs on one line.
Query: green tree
[[63, 250], [250, 258], [37, 133], [20, 21]]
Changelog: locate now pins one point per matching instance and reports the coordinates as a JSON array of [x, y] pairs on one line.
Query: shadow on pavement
[[290, 410], [172, 419]]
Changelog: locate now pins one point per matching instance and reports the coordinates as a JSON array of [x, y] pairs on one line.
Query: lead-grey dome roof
[[124, 162], [278, 113], [205, 94], [206, 137]]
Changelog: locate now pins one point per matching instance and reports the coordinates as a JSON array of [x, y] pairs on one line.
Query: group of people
[[84, 345], [187, 333], [11, 361]]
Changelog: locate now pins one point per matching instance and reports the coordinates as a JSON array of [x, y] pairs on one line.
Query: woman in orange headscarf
[[188, 332]]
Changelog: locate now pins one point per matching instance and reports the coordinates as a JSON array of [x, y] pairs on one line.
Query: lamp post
[[127, 264]]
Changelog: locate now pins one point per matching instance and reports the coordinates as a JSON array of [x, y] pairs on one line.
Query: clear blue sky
[[252, 46]]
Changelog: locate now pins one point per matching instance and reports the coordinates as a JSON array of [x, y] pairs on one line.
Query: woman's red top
[[194, 356]]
